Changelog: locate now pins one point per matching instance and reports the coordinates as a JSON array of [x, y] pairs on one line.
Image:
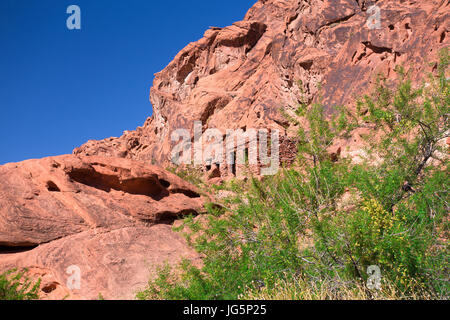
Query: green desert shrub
[[15, 285], [292, 236]]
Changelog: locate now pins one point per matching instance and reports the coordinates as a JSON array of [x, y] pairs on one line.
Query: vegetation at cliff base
[[324, 228], [15, 285]]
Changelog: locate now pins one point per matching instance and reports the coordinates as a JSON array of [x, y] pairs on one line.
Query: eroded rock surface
[[111, 217], [284, 52]]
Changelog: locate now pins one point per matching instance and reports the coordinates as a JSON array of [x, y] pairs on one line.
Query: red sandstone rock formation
[[279, 55], [110, 217]]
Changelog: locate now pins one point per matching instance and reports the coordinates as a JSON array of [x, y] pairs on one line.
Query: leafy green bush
[[294, 237], [14, 285]]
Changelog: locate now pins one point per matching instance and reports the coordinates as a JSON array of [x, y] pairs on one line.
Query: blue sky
[[60, 88]]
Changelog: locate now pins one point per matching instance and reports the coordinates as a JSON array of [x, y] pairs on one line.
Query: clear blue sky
[[60, 88]]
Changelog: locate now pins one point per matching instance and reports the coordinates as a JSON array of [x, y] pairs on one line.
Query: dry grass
[[331, 290]]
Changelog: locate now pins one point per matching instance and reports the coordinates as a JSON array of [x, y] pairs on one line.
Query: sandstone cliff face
[[240, 76], [109, 217]]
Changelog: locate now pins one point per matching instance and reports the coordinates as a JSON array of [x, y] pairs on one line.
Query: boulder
[[110, 217]]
